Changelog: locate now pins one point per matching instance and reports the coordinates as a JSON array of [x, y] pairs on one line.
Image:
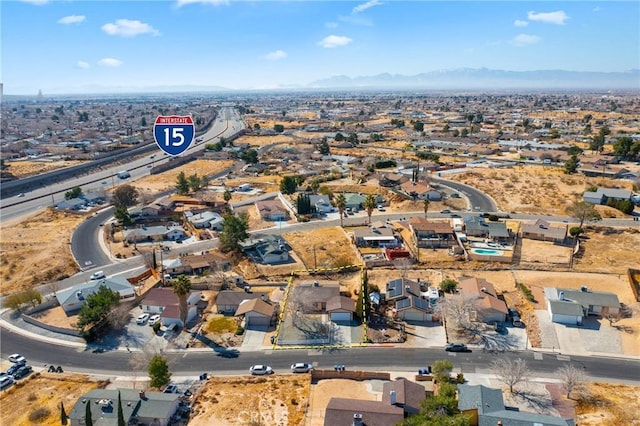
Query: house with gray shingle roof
[[543, 231], [602, 195], [153, 233], [485, 406], [71, 299], [569, 306]]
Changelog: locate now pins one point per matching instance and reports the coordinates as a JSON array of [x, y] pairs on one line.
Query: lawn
[[221, 324]]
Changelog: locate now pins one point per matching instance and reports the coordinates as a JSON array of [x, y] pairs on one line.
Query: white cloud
[[82, 64], [36, 2], [356, 20], [364, 6], [525, 40], [596, 9], [72, 19], [558, 17], [128, 28], [181, 3], [110, 62], [520, 23], [331, 24], [275, 55], [334, 41]]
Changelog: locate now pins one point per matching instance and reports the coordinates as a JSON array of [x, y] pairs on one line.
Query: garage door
[[417, 316], [340, 316], [257, 320]]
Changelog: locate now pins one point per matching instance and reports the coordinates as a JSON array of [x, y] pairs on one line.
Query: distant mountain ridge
[[484, 78]]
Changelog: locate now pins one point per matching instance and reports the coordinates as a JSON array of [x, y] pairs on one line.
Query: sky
[[78, 46]]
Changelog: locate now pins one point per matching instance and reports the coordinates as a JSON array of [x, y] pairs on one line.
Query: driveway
[[425, 334], [548, 337], [253, 338]]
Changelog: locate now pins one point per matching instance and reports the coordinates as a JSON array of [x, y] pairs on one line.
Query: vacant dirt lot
[[611, 250], [265, 140], [277, 400], [533, 189], [609, 404], [36, 251], [323, 248], [167, 180], [44, 391], [21, 169]]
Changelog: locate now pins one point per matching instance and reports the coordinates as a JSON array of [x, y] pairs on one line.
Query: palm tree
[[341, 203], [425, 204], [369, 205], [181, 288]]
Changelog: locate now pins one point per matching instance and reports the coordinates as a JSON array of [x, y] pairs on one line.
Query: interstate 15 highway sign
[[173, 133]]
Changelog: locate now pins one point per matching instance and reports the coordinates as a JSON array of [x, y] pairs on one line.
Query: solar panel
[[394, 288], [421, 303], [403, 303]]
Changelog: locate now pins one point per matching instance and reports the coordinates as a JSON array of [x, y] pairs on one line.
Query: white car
[[301, 367], [154, 319], [17, 358], [259, 370], [20, 195], [98, 275], [142, 318]]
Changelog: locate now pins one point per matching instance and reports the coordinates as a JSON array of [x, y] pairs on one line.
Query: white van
[[98, 275]]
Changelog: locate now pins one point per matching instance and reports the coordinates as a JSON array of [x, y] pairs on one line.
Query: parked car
[[170, 389], [456, 347], [515, 317], [23, 371], [445, 211], [98, 275], [142, 318], [154, 319], [301, 367], [17, 358], [5, 382], [259, 370], [20, 195], [12, 370]]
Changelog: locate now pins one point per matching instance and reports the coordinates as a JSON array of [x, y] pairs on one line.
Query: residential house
[[197, 264], [374, 236], [358, 412], [204, 219], [256, 312], [390, 180], [408, 300], [602, 195], [267, 249], [405, 394], [543, 231], [153, 233], [138, 407], [161, 206], [71, 299], [163, 301], [420, 190], [272, 210], [485, 407], [321, 203], [354, 201], [568, 306], [228, 301], [605, 170], [476, 226], [428, 234], [341, 308], [314, 297], [488, 307]]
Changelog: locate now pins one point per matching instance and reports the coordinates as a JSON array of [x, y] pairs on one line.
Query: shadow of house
[[485, 406]]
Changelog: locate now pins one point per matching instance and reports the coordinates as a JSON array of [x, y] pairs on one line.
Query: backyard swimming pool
[[487, 252]]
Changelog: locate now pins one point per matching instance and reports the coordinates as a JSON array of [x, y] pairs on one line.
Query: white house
[[568, 306], [71, 299], [163, 301]]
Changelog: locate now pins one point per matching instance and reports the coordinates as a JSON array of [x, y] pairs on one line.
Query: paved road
[[478, 200], [371, 358], [227, 124], [85, 245]]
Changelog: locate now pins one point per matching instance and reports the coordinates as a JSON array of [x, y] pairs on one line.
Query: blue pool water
[[487, 252]]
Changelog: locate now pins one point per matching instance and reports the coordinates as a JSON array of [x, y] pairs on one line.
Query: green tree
[[425, 206], [182, 184], [249, 156], [73, 193], [125, 196], [158, 370], [143, 122], [182, 288], [97, 306], [234, 231], [303, 204], [256, 126], [446, 128], [464, 133], [324, 147], [227, 196], [121, 421], [341, 204], [88, 421], [583, 211], [17, 301], [574, 150], [622, 146], [370, 205], [571, 165], [418, 126], [442, 369], [314, 185], [195, 182], [353, 138], [339, 137], [122, 215], [288, 185], [279, 128], [448, 285]]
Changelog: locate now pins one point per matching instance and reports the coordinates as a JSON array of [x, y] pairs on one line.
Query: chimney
[[561, 295], [142, 395], [484, 289], [392, 397], [357, 420]]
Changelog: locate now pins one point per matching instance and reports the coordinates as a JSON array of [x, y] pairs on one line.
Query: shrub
[[32, 397], [156, 327], [239, 331], [575, 230], [460, 378], [293, 401], [448, 285], [527, 292], [39, 414]]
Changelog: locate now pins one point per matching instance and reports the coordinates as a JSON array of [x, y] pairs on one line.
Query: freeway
[[227, 124], [223, 361]]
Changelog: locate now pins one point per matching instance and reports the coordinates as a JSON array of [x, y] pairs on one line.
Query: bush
[[39, 414], [527, 292], [239, 331], [156, 327], [460, 378], [448, 285], [575, 230]]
